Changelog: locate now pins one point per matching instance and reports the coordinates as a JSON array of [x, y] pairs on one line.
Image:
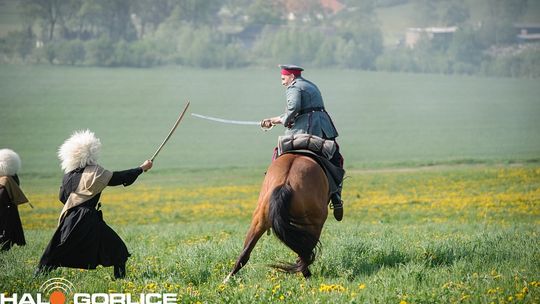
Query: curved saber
[[234, 122], [171, 132]]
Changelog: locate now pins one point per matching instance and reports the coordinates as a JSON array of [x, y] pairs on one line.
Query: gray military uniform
[[305, 112]]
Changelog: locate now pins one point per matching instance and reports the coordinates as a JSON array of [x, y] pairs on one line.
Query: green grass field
[[442, 202], [463, 234], [384, 119]]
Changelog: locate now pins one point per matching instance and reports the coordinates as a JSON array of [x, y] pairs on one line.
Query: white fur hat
[[80, 150], [10, 162]]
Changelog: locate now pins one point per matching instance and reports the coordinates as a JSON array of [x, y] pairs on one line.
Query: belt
[[314, 109]]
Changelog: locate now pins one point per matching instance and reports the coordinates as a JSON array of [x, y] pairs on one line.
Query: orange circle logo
[[57, 297]]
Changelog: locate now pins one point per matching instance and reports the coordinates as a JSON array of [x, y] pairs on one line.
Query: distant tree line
[[237, 33]]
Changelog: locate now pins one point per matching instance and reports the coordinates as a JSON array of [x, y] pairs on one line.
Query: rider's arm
[[293, 106]]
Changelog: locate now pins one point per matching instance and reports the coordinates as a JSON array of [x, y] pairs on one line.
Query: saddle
[[320, 146], [319, 149]]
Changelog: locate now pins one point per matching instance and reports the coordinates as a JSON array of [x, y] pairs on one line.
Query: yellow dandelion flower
[[330, 288], [495, 275]]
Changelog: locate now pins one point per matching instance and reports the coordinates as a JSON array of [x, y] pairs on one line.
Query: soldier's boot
[[120, 271], [337, 205]]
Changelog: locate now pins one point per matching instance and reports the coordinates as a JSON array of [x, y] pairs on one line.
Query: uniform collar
[[294, 81]]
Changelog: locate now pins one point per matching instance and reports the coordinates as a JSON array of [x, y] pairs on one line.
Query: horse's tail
[[290, 233]]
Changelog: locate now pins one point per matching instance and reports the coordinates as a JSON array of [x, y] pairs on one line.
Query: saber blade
[[227, 121], [171, 132]]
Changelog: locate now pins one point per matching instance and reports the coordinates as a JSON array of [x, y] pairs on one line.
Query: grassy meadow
[[442, 199]]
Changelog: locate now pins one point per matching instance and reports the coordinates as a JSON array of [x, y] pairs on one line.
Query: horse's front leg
[[258, 226]]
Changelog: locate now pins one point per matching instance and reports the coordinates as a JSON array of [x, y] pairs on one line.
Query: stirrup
[[337, 206], [333, 205], [336, 202]]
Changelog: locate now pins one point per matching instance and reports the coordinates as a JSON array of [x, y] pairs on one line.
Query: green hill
[[394, 20]]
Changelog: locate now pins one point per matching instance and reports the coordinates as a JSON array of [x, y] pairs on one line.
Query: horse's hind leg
[[303, 267], [256, 230], [305, 270]]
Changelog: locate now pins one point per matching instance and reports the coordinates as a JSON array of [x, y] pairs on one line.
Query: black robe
[[11, 230], [83, 239]]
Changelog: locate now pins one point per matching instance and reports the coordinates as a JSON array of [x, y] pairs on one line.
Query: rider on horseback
[[305, 114]]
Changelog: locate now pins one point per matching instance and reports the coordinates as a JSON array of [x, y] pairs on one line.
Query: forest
[[240, 33]]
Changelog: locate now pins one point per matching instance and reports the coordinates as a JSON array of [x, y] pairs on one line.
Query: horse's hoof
[[227, 279]]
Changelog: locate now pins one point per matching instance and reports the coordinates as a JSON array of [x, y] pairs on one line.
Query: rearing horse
[[293, 202]]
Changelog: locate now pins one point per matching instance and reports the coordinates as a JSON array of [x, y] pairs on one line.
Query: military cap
[[290, 67]]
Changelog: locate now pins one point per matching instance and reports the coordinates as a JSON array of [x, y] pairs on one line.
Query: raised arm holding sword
[[93, 243]]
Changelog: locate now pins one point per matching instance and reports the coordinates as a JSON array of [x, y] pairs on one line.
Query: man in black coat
[[82, 239], [11, 195]]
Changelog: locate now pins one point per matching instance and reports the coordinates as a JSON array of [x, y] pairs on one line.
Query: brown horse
[[293, 202]]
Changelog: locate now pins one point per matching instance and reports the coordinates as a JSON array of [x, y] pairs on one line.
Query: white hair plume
[[10, 162], [80, 150]]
